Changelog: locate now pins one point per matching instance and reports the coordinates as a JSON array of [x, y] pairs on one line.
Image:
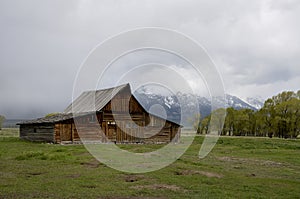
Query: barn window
[[34, 130], [111, 123]]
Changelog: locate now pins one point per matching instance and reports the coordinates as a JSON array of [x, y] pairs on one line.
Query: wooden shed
[[119, 115]]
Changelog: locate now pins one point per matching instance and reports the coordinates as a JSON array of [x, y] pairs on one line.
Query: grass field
[[9, 132], [236, 168]]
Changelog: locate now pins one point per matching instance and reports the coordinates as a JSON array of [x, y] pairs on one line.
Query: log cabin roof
[[49, 119]]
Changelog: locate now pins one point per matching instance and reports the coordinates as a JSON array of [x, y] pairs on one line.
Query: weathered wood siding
[[140, 126], [137, 126], [122, 120], [37, 132]]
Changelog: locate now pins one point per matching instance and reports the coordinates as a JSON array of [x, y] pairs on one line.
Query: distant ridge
[[173, 107]]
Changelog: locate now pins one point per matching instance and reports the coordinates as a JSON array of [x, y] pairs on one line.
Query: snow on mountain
[[256, 102], [237, 103], [169, 101], [182, 106]]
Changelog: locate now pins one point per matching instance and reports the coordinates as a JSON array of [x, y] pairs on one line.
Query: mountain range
[[178, 108], [182, 107]]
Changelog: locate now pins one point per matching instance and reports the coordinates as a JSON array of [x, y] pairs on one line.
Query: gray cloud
[[255, 44]]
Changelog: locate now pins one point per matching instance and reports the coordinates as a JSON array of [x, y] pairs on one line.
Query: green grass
[[236, 168]]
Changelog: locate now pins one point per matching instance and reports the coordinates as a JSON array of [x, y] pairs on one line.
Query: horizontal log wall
[[37, 132], [123, 131]]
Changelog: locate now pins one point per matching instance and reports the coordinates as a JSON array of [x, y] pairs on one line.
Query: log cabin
[[114, 116]]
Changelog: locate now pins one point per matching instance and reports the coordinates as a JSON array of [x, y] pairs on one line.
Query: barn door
[[112, 131], [66, 132]]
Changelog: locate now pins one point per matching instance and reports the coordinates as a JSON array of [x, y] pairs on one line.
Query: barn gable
[[83, 103], [138, 126]]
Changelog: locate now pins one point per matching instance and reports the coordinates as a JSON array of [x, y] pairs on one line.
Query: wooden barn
[[109, 112]]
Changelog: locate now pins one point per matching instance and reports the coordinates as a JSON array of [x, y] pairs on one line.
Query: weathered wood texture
[[37, 132], [121, 120]]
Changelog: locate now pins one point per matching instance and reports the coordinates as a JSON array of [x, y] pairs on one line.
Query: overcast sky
[[255, 44]]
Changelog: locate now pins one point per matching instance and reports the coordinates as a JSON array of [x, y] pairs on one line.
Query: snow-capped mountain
[[237, 103], [182, 106], [256, 102]]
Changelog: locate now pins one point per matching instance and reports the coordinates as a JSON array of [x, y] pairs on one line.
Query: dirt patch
[[251, 175], [251, 161], [92, 164], [133, 178], [158, 187], [33, 174], [210, 174], [205, 173], [271, 163]]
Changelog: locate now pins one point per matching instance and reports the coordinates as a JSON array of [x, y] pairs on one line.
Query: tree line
[[279, 117]]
